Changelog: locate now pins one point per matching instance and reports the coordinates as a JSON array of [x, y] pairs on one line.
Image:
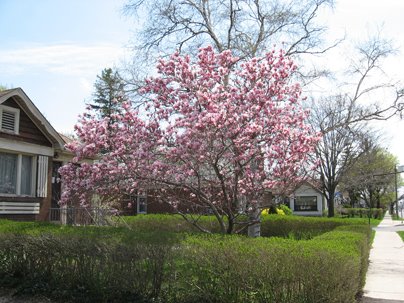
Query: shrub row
[[117, 265], [326, 269], [296, 227], [169, 223], [82, 268], [375, 213]]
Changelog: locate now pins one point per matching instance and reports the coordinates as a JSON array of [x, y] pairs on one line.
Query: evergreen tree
[[109, 93]]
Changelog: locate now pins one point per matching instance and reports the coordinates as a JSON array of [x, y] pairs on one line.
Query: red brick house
[[31, 152]]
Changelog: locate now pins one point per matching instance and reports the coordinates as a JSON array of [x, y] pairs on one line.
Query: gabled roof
[[290, 188], [313, 183], [66, 139], [35, 115]]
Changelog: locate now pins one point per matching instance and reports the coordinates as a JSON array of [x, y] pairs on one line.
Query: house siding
[[28, 131], [36, 138], [305, 190]]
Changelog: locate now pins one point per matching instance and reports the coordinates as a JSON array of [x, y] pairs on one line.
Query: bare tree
[[340, 143], [342, 118], [370, 79], [251, 28], [247, 27]]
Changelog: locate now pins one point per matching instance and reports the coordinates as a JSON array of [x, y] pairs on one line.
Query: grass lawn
[[401, 233]]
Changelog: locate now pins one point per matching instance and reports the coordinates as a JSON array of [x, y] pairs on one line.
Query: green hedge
[[169, 223], [119, 265], [375, 213], [233, 269], [83, 268], [298, 227]]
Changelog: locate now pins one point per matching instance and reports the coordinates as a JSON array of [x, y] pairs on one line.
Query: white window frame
[[16, 113], [19, 170]]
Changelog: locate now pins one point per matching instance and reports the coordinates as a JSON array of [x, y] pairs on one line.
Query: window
[[305, 203], [8, 173], [26, 176], [9, 119], [17, 174]]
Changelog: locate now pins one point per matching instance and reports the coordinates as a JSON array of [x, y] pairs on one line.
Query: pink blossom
[[215, 129]]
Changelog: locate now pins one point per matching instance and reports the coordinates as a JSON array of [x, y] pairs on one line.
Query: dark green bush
[[84, 269]]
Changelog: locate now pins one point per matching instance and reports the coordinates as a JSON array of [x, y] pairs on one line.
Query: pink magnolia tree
[[212, 137]]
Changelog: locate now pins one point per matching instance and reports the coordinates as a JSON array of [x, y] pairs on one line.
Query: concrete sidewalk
[[385, 276]]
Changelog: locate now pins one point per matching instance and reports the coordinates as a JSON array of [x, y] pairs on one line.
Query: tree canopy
[[371, 178]]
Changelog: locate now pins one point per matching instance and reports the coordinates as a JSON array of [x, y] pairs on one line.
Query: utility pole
[[395, 184]]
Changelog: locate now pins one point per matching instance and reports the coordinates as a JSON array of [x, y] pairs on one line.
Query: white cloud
[[64, 59]]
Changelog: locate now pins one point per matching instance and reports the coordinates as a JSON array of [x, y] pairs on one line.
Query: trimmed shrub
[[169, 223], [87, 264], [298, 227], [84, 269], [236, 269], [375, 213]]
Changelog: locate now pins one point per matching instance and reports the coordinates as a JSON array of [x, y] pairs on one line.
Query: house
[[307, 200], [31, 152]]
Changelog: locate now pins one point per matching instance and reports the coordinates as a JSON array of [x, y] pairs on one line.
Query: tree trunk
[[330, 204], [378, 203], [371, 204], [352, 197], [230, 227], [254, 230]]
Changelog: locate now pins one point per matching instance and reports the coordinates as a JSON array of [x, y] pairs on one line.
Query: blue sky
[[53, 49]]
